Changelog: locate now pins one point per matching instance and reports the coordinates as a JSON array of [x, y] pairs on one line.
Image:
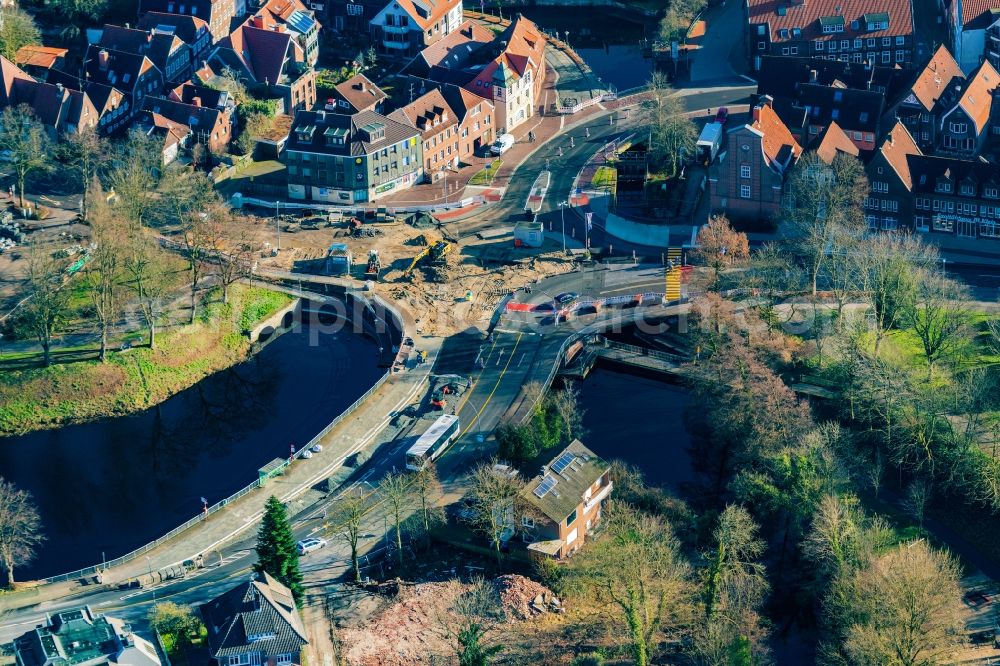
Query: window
[[783, 33], [571, 518], [761, 30], [943, 186], [845, 44], [958, 128], [239, 660], [880, 186], [744, 191], [942, 224], [744, 171], [921, 222], [900, 40], [887, 41], [857, 43], [833, 44], [785, 51], [835, 114], [871, 42], [968, 190], [900, 56], [795, 50], [820, 44], [990, 192], [527, 521], [885, 57], [872, 222], [285, 658]]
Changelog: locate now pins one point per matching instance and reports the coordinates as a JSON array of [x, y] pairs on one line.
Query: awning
[[550, 548]]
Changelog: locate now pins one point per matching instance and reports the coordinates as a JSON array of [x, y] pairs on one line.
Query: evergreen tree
[[276, 551]]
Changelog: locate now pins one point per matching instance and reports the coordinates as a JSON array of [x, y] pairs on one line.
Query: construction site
[[448, 283]]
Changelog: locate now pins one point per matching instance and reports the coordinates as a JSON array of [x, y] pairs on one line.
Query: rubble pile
[[523, 598]]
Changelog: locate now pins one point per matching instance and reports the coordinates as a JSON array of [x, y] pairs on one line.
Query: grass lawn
[[38, 398], [486, 176], [605, 176]]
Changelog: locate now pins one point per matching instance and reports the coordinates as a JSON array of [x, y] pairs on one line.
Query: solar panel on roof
[[563, 462], [301, 22], [547, 484]]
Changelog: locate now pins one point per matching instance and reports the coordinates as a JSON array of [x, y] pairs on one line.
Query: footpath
[[207, 537]]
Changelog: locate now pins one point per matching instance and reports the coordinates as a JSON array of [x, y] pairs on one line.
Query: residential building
[[748, 177], [209, 125], [133, 75], [173, 137], [955, 197], [964, 127], [780, 76], [255, 623], [36, 61], [514, 79], [452, 51], [847, 30], [969, 23], [834, 141], [294, 17], [404, 27], [192, 30], [337, 158], [857, 112], [166, 50], [271, 62], [81, 637], [932, 93], [355, 95], [349, 16], [564, 502], [218, 14], [64, 110], [991, 45], [890, 203]]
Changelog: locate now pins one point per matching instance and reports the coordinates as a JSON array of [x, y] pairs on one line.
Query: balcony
[[599, 497], [395, 29]]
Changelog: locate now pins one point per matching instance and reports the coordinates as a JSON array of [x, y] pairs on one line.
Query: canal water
[[638, 420], [607, 41], [111, 486]]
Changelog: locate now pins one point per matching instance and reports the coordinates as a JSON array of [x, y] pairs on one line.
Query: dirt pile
[[523, 598], [419, 625]]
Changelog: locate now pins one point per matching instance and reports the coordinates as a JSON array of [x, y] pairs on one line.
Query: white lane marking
[[520, 360], [500, 357]]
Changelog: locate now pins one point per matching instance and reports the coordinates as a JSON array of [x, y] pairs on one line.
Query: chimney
[[812, 76], [755, 115], [102, 60], [766, 100], [59, 88], [196, 101]]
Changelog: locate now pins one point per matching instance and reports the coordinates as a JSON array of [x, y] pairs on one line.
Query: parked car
[[504, 143], [544, 307], [565, 297], [307, 546], [316, 448], [306, 455], [722, 115]]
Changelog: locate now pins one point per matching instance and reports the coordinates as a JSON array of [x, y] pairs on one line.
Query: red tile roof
[[977, 97], [187, 27], [806, 15], [438, 8], [935, 77], [9, 73], [833, 141], [779, 146], [897, 145], [39, 56], [261, 52], [976, 14], [360, 92], [453, 49], [429, 113]]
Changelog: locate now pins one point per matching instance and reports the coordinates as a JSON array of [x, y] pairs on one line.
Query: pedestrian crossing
[[675, 259]]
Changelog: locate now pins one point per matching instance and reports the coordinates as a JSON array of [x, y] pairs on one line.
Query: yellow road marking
[[510, 358]]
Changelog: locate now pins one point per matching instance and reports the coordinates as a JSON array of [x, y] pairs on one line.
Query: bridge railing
[[644, 351]]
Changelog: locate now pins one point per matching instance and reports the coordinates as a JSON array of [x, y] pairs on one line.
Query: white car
[[316, 448], [306, 455], [307, 546], [504, 143]]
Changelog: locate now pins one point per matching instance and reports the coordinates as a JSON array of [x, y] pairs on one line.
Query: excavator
[[433, 253], [374, 265]]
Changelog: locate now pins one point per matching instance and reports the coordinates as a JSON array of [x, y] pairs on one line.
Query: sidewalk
[[242, 515]]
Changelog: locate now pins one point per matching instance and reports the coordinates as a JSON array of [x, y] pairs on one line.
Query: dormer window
[[262, 636], [968, 189], [958, 128], [335, 136], [876, 21], [832, 24], [943, 186], [305, 133], [783, 33]]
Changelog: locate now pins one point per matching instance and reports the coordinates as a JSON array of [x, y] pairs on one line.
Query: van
[[504, 143]]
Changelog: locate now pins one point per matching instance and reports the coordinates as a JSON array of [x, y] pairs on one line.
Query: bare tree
[[672, 135], [396, 491], [17, 29], [46, 308], [822, 201], [85, 152], [23, 138], [149, 276], [137, 162], [20, 528], [940, 316], [918, 494], [478, 611], [348, 514], [494, 502], [903, 607], [720, 246], [566, 404], [105, 272], [888, 267], [735, 582], [427, 488], [638, 567]]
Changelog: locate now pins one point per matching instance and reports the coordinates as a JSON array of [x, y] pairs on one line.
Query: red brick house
[[563, 503], [747, 179]]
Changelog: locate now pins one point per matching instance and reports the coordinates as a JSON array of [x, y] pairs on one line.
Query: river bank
[[35, 398]]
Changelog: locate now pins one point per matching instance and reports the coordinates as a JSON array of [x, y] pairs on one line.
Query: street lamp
[[149, 568], [562, 214]]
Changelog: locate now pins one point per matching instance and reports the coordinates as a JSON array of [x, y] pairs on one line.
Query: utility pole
[[562, 214]]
